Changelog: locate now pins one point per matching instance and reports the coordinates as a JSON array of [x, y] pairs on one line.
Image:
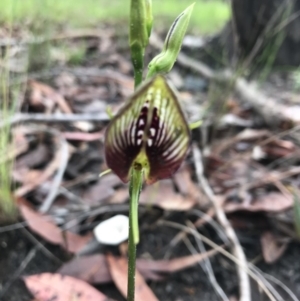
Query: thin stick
[[22, 117], [205, 264], [221, 250], [245, 292], [57, 180]]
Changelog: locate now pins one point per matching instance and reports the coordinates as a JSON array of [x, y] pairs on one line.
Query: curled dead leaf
[[163, 195]]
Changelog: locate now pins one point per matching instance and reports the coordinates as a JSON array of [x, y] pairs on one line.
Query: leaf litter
[[251, 167]]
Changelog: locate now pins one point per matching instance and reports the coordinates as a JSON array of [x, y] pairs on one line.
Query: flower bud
[[149, 16], [164, 61]]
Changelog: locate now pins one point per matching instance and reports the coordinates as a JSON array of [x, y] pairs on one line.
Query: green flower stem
[[135, 187], [139, 30], [137, 57]]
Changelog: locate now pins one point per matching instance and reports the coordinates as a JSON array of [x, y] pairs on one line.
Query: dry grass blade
[[206, 266], [223, 252], [245, 292], [174, 265]]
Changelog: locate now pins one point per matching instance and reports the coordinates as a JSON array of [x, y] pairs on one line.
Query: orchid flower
[[148, 138], [150, 133]]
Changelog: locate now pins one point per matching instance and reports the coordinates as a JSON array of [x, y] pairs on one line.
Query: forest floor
[[252, 167]]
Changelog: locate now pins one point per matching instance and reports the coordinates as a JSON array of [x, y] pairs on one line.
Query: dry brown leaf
[[44, 226], [272, 202], [272, 250], [26, 176], [118, 268], [97, 193], [44, 175], [187, 187], [162, 194], [172, 265], [92, 269], [44, 95], [35, 157], [46, 287], [278, 148], [120, 196], [111, 180]]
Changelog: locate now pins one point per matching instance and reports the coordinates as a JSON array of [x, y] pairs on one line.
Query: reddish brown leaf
[[44, 226], [187, 187], [279, 148], [98, 193], [92, 269], [35, 157], [120, 196], [46, 287], [43, 176], [118, 268], [43, 95], [173, 265], [272, 250], [272, 202], [163, 195]]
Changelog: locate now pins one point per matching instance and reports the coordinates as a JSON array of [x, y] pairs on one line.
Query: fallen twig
[[58, 164], [220, 249], [245, 292], [23, 117], [57, 179], [205, 264], [76, 34]]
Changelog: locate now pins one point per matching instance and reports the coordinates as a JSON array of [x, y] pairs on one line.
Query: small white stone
[[258, 153], [112, 231]]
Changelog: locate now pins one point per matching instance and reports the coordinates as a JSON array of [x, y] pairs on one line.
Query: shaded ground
[[188, 285], [104, 78]]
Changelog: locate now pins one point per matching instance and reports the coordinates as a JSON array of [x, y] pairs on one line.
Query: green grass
[[7, 108], [208, 16]]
